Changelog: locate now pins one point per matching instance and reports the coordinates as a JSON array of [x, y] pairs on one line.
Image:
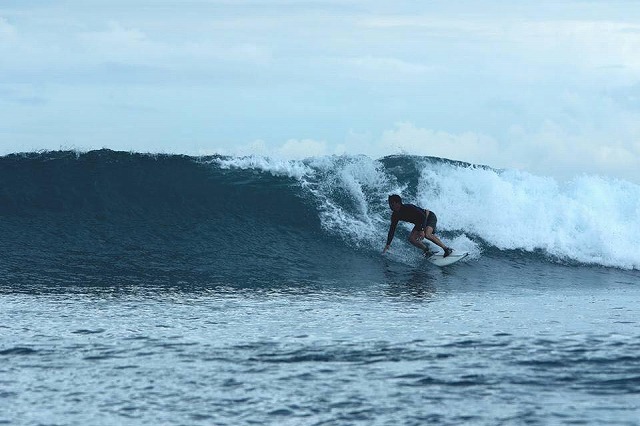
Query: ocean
[[144, 289]]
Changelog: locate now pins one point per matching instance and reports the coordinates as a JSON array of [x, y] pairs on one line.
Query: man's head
[[395, 202]]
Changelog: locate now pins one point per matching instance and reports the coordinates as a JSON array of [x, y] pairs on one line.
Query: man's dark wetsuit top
[[407, 213]]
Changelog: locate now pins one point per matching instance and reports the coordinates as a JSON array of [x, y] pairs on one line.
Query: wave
[[589, 220], [71, 216]]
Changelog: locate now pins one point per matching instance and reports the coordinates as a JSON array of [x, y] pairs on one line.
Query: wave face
[[114, 216]]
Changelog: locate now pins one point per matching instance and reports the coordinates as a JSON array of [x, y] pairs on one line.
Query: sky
[[549, 87]]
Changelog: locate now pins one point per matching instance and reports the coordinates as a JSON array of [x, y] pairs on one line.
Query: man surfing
[[424, 221]]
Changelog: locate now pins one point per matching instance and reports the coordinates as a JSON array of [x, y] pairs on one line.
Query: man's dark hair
[[394, 198]]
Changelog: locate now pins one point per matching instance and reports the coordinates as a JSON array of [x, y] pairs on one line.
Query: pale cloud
[[432, 23], [21, 94], [550, 87], [7, 31], [549, 150], [247, 52], [552, 150], [387, 69], [116, 35], [292, 149], [114, 42], [132, 45], [298, 149], [587, 43], [121, 44], [467, 146], [590, 44]]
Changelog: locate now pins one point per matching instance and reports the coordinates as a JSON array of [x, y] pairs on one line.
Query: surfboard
[[440, 260]]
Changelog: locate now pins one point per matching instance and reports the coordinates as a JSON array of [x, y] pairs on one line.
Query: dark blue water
[[139, 289]]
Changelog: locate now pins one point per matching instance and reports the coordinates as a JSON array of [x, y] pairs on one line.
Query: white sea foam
[[591, 219], [277, 167], [348, 190], [352, 190]]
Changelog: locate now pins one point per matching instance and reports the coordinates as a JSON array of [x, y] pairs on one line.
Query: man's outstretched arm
[[392, 231]]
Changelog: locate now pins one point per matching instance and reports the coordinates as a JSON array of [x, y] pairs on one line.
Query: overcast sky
[[551, 87]]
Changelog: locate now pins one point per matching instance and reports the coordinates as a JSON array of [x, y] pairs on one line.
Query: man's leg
[[429, 235], [416, 240]]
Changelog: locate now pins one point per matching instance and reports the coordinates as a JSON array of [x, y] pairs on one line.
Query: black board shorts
[[431, 221]]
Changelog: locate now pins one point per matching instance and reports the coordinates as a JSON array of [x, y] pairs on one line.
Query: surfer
[[424, 221]]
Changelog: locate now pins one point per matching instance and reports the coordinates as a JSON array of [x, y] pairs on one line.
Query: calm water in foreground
[[487, 342]]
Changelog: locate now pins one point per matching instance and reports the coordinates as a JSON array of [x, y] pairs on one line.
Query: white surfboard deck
[[440, 260]]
